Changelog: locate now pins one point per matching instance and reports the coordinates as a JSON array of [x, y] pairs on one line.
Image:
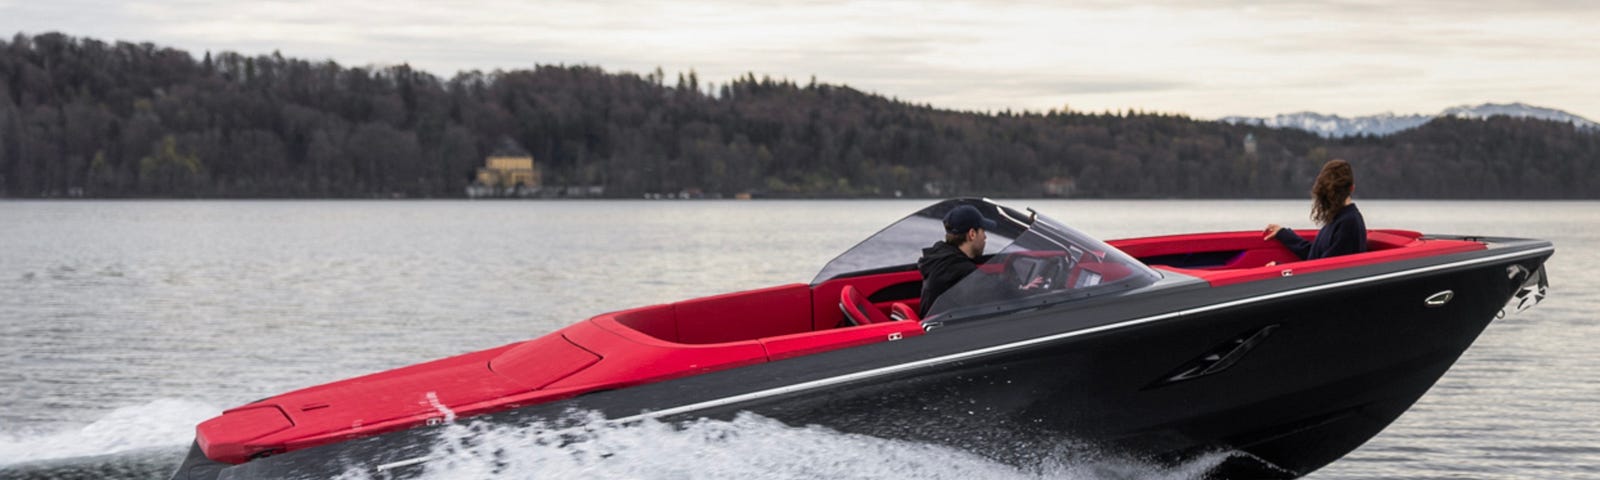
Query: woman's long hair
[[1331, 189]]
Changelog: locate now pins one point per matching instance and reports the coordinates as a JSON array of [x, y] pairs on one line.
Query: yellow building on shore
[[508, 172]]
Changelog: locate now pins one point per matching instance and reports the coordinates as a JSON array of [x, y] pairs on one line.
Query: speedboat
[[1164, 348]]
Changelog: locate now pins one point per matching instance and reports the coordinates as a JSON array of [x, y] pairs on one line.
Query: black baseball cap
[[966, 217]]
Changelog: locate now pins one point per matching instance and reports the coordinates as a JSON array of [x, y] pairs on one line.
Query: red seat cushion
[[902, 311], [857, 310]]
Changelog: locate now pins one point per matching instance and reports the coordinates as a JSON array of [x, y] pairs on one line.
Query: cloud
[[1207, 59]]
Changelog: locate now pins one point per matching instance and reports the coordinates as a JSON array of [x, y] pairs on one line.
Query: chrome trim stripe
[[800, 387], [866, 374]]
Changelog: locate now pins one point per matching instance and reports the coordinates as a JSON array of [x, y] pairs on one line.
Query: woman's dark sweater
[[1346, 234]]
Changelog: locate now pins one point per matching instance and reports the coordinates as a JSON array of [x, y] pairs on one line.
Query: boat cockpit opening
[[1030, 261], [1227, 258]]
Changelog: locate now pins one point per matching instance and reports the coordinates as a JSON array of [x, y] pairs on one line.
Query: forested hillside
[[85, 117]]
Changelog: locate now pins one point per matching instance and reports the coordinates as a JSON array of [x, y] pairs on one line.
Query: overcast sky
[[1205, 59]]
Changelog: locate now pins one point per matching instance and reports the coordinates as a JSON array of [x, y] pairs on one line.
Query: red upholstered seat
[[901, 311], [857, 310]]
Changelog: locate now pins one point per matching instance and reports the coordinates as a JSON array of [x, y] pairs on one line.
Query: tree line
[[82, 117]]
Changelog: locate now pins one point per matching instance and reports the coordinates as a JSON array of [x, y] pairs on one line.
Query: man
[[950, 260]]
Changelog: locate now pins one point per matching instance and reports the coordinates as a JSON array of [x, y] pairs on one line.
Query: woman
[[1343, 230]]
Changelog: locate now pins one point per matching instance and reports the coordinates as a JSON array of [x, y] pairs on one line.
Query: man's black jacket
[[942, 265]]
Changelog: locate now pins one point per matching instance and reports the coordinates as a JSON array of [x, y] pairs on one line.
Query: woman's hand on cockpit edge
[[1272, 229]]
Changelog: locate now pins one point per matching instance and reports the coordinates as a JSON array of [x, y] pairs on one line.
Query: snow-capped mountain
[[1387, 123], [1520, 110]]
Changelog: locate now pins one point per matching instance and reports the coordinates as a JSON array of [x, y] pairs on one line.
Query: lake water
[[122, 324]]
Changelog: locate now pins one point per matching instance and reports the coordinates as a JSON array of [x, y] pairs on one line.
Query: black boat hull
[[1289, 374]]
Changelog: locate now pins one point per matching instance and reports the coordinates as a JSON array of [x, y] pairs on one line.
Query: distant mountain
[[1519, 110], [1388, 123]]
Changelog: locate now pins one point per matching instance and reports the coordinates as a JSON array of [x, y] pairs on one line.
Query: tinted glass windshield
[[898, 246], [1049, 263]]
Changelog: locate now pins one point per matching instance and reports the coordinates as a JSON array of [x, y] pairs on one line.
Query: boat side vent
[[1218, 358], [1439, 299]]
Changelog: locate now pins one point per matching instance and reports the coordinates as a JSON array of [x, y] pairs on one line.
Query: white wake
[[160, 423], [749, 446]]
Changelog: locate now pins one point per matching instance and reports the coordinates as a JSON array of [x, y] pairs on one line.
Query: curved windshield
[[1050, 263], [898, 246]]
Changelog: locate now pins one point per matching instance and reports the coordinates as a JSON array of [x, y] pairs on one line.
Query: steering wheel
[[1050, 273]]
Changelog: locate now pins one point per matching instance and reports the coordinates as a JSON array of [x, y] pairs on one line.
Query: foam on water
[[748, 446], [160, 423]]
